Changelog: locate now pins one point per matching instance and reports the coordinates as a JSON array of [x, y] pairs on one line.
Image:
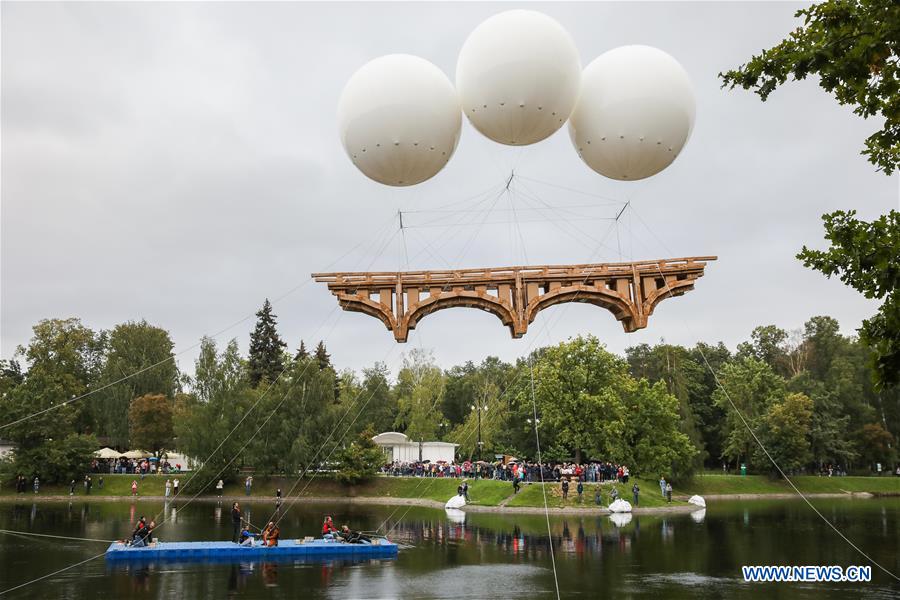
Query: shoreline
[[434, 504]]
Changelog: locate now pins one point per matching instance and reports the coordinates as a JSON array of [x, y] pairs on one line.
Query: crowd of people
[[134, 466], [513, 470]]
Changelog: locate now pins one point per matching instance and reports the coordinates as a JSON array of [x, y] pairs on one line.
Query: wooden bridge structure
[[631, 291]]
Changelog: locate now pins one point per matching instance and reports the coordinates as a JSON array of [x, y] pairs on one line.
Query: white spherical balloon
[[635, 112], [518, 77], [399, 119]]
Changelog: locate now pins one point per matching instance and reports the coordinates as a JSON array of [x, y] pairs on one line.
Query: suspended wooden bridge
[[629, 290]]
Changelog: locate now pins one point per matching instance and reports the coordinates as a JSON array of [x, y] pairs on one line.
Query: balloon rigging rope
[[524, 252], [593, 241], [340, 440], [610, 200], [545, 329], [447, 238]]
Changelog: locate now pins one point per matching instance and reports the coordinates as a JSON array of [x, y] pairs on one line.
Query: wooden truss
[[516, 295]]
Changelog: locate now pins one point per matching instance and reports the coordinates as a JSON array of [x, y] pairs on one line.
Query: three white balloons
[[399, 119], [635, 113], [518, 76], [518, 79]]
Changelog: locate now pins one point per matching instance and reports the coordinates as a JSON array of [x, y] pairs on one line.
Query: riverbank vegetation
[[661, 410], [481, 492]]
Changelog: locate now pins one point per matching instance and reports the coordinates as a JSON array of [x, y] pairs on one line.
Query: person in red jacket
[[328, 527]]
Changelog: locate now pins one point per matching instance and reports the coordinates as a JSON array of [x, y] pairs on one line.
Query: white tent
[[136, 454], [106, 453]]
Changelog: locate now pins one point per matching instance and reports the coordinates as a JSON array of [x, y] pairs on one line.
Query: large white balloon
[[518, 76], [399, 119], [635, 112]]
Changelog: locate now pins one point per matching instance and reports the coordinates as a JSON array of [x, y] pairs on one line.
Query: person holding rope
[[236, 522], [270, 534], [246, 538], [140, 533]]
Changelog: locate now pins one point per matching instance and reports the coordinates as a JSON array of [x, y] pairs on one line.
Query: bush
[[55, 461], [360, 460]]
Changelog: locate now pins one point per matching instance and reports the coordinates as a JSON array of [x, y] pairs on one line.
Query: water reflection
[[454, 515], [460, 556], [620, 519]]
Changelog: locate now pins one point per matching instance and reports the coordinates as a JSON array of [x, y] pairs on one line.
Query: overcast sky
[[180, 162]]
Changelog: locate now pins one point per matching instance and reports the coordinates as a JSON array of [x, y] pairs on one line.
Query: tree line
[[807, 395]]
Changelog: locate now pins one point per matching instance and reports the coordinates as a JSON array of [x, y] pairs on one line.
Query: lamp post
[[537, 423], [478, 407]]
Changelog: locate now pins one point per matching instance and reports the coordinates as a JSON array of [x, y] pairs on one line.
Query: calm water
[[476, 556]]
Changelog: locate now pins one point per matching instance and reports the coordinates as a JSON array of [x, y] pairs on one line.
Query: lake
[[477, 556]]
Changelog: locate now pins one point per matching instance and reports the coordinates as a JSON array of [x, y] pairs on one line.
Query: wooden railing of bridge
[[516, 295]]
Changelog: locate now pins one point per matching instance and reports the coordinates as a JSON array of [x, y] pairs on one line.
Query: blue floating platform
[[316, 548]]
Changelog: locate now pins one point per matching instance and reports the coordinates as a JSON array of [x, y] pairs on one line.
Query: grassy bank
[[709, 484], [531, 495], [484, 493]]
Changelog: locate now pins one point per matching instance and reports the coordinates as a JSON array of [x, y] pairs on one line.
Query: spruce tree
[[322, 357], [265, 348], [324, 361], [302, 352]]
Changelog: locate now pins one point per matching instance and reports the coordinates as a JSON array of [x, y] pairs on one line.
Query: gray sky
[[180, 162]]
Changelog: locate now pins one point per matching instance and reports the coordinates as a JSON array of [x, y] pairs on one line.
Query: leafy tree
[[495, 420], [784, 431], [420, 391], [768, 345], [150, 422], [220, 397], [360, 459], [460, 392], [64, 358], [710, 416], [266, 360], [294, 420], [55, 461], [652, 443], [141, 354], [579, 390], [853, 46], [866, 256], [381, 402], [683, 378], [10, 376], [830, 432], [753, 387], [877, 445]]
